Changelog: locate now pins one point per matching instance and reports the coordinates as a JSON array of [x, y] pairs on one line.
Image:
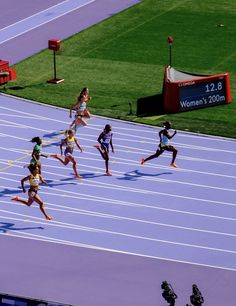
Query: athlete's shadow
[[66, 181], [136, 174], [7, 191], [92, 175], [53, 139], [6, 227], [72, 180], [54, 134]]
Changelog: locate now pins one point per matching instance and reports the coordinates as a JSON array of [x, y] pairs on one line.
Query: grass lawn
[[123, 58]]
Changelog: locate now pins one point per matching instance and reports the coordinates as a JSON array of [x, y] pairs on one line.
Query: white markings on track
[[85, 228], [41, 18], [123, 135]]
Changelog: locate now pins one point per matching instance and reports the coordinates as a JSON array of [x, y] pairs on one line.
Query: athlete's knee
[[41, 205]]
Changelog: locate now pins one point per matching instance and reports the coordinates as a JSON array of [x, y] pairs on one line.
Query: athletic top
[[37, 149], [164, 140], [80, 107], [34, 181], [106, 138], [70, 143]]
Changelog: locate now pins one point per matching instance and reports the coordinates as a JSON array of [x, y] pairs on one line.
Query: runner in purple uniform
[[105, 141]]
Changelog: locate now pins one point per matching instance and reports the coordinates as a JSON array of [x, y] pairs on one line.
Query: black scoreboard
[[202, 94]]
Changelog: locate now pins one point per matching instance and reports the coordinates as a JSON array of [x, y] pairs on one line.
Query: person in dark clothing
[[196, 298], [168, 293]]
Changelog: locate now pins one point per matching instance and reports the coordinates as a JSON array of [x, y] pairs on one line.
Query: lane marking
[[12, 162], [109, 232], [90, 246], [91, 213], [98, 184], [76, 195], [144, 139], [161, 180], [30, 23]]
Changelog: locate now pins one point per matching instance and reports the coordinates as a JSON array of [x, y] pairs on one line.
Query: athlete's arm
[[78, 145], [62, 144], [42, 179], [111, 143], [23, 182]]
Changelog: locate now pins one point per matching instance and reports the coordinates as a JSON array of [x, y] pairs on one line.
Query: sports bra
[[107, 137], [34, 180], [70, 143]]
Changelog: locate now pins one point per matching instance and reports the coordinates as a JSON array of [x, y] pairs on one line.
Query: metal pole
[[170, 55], [170, 41], [55, 71]]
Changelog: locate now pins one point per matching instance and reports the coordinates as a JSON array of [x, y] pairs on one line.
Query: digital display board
[[183, 91], [194, 95]]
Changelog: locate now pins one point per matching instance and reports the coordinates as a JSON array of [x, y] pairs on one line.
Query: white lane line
[[132, 126], [77, 195], [125, 160], [41, 18], [98, 184], [94, 247], [128, 162], [161, 180], [129, 136], [134, 150], [91, 213], [28, 117], [126, 203], [121, 234]]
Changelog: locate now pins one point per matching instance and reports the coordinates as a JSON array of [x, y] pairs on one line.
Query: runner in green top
[[36, 154]]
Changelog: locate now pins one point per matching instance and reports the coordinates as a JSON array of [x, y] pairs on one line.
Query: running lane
[[41, 18], [25, 28], [116, 237]]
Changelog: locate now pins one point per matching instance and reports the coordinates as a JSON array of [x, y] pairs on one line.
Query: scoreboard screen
[[183, 91], [202, 94]]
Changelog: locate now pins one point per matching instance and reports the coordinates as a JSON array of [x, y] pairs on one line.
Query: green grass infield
[[122, 60]]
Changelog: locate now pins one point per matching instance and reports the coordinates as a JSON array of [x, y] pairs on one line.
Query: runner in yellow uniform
[[34, 178], [69, 142]]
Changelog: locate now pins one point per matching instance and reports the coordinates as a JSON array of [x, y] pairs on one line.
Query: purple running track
[[111, 246], [181, 221], [70, 23], [89, 277]]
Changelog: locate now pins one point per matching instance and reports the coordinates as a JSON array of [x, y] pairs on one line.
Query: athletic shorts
[[68, 152], [32, 193], [166, 148]]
